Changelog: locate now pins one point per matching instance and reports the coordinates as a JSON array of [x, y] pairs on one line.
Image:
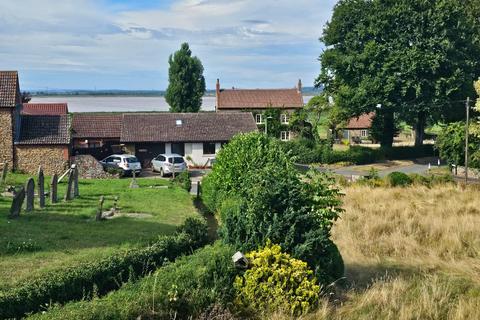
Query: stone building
[[258, 101], [31, 134], [359, 128]]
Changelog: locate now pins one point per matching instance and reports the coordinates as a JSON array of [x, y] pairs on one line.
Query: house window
[[208, 148], [259, 118], [178, 148], [364, 133], [285, 135], [284, 118]]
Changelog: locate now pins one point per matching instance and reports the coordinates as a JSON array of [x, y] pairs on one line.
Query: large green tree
[[411, 60], [186, 82]]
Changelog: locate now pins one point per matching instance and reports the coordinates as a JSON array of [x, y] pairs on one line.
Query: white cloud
[[246, 42]]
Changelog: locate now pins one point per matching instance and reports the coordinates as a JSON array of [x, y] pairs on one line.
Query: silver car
[[168, 163], [126, 162]]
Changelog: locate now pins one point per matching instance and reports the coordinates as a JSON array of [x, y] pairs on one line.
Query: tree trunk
[[386, 139], [420, 130]]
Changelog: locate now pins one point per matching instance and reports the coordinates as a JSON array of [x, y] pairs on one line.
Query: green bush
[[399, 179], [99, 277], [303, 151], [196, 229], [259, 195], [180, 290], [451, 145], [183, 180], [276, 282]]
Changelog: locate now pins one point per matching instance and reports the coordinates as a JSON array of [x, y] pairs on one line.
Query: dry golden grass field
[[410, 253]]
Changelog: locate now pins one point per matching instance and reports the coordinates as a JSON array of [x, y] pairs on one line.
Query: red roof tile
[[193, 127], [259, 98], [89, 125], [44, 108], [362, 122], [9, 89]]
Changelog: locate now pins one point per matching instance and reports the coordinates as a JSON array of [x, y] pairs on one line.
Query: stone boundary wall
[[90, 168], [52, 158], [6, 134]]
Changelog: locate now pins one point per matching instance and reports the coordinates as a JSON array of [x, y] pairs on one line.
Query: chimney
[[299, 86], [217, 93]]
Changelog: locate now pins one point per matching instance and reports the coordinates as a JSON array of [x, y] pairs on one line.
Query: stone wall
[[6, 137], [90, 168], [53, 158]]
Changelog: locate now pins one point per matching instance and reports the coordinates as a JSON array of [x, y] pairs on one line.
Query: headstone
[[41, 188], [115, 202], [4, 174], [30, 194], [133, 183], [98, 217], [17, 203], [53, 189], [68, 192], [198, 189], [76, 191]]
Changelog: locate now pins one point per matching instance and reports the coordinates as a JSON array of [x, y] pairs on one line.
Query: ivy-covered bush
[[399, 179], [98, 277], [259, 195], [276, 282]]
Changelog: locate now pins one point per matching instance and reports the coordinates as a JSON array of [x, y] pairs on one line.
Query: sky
[[120, 44]]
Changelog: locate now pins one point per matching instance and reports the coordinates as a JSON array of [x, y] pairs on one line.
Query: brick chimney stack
[[299, 86]]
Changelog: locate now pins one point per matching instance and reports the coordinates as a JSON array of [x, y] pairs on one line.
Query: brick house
[[358, 128], [258, 101]]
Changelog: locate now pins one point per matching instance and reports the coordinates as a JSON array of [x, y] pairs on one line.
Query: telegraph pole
[[467, 109]]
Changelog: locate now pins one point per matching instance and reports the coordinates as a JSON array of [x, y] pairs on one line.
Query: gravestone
[[68, 193], [17, 204], [115, 202], [53, 189], [4, 174], [98, 217], [133, 183], [41, 187], [30, 194], [76, 191]]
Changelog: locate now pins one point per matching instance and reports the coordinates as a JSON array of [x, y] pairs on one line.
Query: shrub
[[183, 180], [196, 229], [303, 151], [399, 179], [183, 289], [275, 281], [99, 277], [259, 195]]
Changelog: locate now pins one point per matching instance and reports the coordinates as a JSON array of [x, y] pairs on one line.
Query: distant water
[[121, 103]]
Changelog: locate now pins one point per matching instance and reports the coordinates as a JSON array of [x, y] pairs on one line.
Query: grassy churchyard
[[66, 233]]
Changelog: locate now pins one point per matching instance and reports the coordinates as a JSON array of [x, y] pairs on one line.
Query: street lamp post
[[266, 120]]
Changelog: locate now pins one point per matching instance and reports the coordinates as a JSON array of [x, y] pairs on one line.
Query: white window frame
[[284, 118], [257, 117], [364, 133], [285, 135]]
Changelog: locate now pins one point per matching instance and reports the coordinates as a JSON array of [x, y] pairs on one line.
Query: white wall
[[194, 152]]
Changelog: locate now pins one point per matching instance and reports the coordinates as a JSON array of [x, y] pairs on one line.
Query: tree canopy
[[186, 82], [411, 60]]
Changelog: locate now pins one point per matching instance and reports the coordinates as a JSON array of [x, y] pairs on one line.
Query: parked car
[[167, 163], [126, 162]]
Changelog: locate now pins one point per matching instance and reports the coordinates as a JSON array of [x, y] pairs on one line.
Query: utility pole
[[467, 108]]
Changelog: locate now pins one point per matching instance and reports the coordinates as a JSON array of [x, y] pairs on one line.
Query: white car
[[167, 163], [127, 162]]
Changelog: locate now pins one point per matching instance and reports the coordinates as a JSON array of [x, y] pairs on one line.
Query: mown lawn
[[67, 233]]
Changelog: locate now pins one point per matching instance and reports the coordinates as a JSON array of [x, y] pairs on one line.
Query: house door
[[178, 148]]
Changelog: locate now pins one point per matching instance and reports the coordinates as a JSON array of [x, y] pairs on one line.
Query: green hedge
[[181, 290], [99, 277]]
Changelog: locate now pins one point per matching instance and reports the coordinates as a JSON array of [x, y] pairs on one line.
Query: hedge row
[[308, 152], [97, 278]]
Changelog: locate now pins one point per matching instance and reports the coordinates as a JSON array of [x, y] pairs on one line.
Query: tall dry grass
[[410, 253]]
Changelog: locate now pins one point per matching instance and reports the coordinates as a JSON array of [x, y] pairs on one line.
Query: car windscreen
[[131, 160], [175, 160]]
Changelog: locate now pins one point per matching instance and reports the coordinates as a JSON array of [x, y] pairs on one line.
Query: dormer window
[[179, 123]]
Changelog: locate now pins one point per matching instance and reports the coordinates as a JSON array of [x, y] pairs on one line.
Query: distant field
[[67, 233]]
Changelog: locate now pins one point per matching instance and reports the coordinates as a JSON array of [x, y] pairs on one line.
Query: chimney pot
[[299, 86]]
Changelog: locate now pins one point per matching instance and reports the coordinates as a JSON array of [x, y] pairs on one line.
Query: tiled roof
[[45, 108], [44, 130], [194, 127], [362, 122], [9, 91], [88, 125], [259, 98]]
